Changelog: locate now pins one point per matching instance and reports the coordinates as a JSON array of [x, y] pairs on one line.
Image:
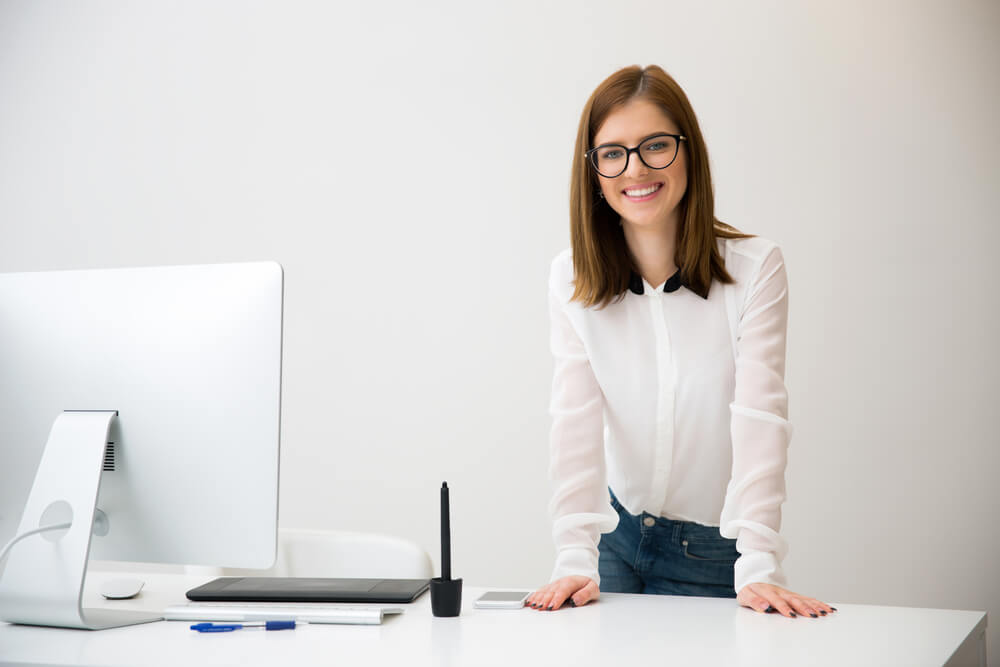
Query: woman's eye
[[611, 154], [656, 146]]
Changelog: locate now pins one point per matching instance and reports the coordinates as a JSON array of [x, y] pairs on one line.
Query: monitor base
[[42, 583]]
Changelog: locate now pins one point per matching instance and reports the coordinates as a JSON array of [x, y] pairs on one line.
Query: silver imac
[[140, 411]]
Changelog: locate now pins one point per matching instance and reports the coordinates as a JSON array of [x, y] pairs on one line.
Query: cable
[[29, 533]]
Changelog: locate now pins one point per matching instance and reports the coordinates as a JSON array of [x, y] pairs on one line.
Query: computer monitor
[[155, 396]]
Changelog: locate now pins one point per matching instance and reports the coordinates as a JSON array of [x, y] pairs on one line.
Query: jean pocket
[[721, 550]]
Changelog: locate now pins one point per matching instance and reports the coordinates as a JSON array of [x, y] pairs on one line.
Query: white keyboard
[[308, 612]]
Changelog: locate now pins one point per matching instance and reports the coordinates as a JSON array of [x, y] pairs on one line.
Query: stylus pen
[[445, 534], [229, 627]]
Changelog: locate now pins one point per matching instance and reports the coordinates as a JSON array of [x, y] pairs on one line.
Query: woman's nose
[[636, 167]]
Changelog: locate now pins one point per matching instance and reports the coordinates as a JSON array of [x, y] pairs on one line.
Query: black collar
[[673, 284]]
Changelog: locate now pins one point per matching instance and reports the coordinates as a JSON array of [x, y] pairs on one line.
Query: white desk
[[619, 629]]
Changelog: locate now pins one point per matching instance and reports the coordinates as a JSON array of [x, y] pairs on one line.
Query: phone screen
[[503, 596]]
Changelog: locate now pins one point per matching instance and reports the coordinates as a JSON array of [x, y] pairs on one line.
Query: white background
[[408, 164]]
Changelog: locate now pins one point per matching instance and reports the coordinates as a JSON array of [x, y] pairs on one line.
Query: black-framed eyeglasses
[[656, 152]]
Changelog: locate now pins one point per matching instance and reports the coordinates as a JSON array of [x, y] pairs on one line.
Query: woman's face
[[642, 196]]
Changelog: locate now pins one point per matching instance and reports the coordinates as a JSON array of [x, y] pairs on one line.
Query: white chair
[[337, 553]]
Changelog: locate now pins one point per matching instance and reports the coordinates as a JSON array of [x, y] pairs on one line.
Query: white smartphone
[[502, 600]]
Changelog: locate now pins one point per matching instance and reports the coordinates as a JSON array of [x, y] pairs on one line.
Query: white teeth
[[643, 192]]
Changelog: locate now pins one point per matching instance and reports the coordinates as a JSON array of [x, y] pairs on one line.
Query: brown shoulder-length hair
[[601, 260]]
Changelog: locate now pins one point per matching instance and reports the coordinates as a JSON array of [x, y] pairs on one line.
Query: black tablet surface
[[302, 589]]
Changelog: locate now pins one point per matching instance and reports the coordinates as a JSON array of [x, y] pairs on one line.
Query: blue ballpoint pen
[[229, 627]]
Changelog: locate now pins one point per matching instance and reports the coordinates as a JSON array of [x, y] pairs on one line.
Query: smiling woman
[[670, 431]]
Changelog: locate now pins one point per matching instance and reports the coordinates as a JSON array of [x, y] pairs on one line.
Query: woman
[[668, 332]]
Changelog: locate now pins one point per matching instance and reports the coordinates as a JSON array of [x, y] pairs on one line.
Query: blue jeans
[[650, 554]]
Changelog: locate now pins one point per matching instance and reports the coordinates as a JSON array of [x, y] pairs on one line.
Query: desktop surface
[[617, 629]]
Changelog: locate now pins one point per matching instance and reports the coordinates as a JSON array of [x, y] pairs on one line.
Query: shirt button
[[649, 521], [684, 543]]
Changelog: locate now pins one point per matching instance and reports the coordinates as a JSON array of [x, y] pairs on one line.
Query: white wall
[[408, 164]]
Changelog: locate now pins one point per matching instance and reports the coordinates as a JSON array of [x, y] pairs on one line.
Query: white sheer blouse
[[676, 402]]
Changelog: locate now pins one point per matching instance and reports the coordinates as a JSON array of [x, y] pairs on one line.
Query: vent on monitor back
[[109, 457]]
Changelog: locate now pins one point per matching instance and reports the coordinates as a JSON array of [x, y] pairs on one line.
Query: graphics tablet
[[301, 589]]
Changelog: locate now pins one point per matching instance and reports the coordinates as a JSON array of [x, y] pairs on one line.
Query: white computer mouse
[[121, 589]]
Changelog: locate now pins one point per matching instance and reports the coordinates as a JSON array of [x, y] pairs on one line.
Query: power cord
[[29, 533]]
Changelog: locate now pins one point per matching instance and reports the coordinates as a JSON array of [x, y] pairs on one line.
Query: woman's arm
[[580, 506], [760, 429], [760, 433]]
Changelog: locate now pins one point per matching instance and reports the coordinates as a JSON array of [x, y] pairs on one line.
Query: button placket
[[665, 397]]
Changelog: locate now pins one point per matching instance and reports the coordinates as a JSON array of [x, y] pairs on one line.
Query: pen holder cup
[[446, 596]]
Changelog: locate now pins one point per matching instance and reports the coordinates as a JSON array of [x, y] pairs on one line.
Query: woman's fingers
[[586, 594], [556, 598], [562, 590], [822, 607], [566, 595], [806, 606], [817, 607], [748, 597], [533, 599], [539, 598], [577, 589], [769, 598], [782, 606]]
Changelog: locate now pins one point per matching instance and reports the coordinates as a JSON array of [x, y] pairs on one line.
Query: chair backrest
[[335, 553]]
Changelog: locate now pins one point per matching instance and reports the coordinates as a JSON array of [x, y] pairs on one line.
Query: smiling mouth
[[643, 192]]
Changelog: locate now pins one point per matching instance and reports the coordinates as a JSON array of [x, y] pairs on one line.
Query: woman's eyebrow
[[622, 143]]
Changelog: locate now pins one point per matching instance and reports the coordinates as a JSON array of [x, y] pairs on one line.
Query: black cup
[[446, 596]]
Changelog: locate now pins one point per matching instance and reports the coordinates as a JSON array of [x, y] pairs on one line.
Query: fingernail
[[794, 615], [550, 607], [770, 610], [833, 608], [822, 612], [814, 615], [572, 603]]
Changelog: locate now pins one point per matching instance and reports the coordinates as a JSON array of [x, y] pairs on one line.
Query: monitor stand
[[43, 581]]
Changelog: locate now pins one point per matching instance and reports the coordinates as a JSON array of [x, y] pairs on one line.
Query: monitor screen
[[190, 358]]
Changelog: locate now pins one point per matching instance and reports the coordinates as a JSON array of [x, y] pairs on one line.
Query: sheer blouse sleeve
[[580, 506], [760, 429]]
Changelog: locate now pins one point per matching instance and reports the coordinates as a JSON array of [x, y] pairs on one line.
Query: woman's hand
[[762, 597], [575, 591]]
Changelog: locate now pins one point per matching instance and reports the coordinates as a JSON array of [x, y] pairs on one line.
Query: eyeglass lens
[[656, 152]]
